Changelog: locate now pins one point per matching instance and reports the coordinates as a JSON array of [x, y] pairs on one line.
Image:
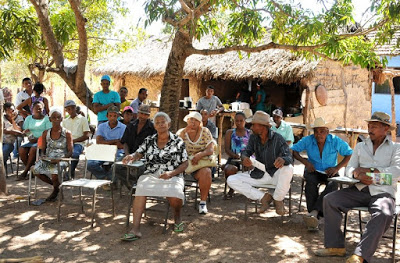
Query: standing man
[[142, 95], [272, 151], [209, 124], [282, 127], [23, 95], [79, 128], [110, 133], [377, 154], [123, 92], [322, 149], [211, 103], [104, 99]]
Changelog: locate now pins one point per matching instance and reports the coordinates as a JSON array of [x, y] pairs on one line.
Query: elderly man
[[377, 154], [104, 99], [322, 149], [282, 127], [211, 103], [79, 127], [109, 133], [272, 151], [142, 95]]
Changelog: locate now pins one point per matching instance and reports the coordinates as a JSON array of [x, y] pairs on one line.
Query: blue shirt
[[116, 133], [136, 104], [103, 99], [333, 146]]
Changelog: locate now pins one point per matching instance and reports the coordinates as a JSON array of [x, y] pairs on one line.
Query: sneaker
[[203, 208], [311, 222]]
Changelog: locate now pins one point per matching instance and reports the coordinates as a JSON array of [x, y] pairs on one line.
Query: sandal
[[178, 228], [129, 237]]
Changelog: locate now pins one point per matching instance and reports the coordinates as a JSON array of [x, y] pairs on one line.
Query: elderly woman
[[235, 142], [166, 160], [199, 144], [56, 143], [34, 126]]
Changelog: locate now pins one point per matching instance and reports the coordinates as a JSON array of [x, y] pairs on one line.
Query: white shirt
[[386, 159], [21, 96]]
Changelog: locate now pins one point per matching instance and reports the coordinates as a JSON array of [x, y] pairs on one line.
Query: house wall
[[349, 94]]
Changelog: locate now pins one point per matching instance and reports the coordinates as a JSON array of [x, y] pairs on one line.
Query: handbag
[[206, 161]]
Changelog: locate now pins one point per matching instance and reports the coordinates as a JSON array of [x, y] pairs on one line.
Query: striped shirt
[[274, 147]]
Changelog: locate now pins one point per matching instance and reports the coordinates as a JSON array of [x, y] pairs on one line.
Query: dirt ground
[[223, 235]]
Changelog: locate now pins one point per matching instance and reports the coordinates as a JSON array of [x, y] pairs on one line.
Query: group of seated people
[[256, 157]]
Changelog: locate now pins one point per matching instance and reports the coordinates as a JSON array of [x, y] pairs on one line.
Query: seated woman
[[235, 142], [56, 143], [34, 126], [38, 89], [199, 143], [166, 160], [11, 129]]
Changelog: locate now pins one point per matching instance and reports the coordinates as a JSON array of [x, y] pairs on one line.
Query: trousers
[[381, 207], [244, 184]]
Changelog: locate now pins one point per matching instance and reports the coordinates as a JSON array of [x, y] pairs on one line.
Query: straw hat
[[262, 118], [320, 123], [381, 117]]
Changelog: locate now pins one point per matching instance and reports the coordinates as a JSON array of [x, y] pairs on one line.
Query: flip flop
[[129, 237], [178, 228]]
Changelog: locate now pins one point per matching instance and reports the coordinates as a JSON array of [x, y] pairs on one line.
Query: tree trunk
[[393, 108], [172, 84]]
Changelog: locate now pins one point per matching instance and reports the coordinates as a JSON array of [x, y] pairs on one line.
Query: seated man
[[377, 154], [133, 137], [272, 151], [322, 149], [110, 133], [282, 127], [79, 128]]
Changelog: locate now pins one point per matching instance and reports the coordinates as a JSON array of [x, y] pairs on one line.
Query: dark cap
[[113, 109]]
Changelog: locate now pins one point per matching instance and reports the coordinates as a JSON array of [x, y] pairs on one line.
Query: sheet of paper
[[321, 172], [258, 164]]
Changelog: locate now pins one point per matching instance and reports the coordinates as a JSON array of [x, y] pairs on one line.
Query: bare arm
[[101, 140], [228, 149], [309, 166], [46, 105], [83, 138], [180, 169], [21, 106], [70, 146], [97, 107], [334, 170]]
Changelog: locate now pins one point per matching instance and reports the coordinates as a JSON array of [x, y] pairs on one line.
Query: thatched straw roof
[[388, 49], [150, 59]]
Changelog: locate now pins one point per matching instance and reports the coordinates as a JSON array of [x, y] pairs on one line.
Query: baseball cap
[[128, 108], [277, 112], [113, 109], [106, 77], [69, 103]]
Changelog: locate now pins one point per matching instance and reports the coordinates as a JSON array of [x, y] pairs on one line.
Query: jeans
[[78, 149], [7, 149], [17, 144], [97, 169]]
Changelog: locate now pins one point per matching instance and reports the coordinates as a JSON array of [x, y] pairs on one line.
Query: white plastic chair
[[98, 152]]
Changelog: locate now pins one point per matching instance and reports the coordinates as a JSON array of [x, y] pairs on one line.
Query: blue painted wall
[[383, 102]]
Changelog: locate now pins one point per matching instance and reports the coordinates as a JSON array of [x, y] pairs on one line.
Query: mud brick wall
[[349, 94]]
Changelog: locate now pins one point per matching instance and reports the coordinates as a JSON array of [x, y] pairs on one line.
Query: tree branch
[[83, 48], [42, 9], [185, 7], [363, 32], [271, 45]]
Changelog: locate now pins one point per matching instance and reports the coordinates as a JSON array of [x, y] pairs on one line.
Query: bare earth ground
[[220, 236]]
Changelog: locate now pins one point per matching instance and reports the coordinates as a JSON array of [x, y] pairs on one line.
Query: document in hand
[[381, 178]]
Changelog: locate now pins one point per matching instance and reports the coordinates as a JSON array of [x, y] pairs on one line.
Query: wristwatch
[[372, 169]]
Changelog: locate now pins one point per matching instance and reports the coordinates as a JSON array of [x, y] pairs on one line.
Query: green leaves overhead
[[331, 33]]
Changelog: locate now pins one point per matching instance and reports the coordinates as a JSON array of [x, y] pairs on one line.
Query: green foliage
[[330, 33]]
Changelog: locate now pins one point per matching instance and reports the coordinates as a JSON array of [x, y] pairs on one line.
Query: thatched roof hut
[[150, 60], [284, 75]]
